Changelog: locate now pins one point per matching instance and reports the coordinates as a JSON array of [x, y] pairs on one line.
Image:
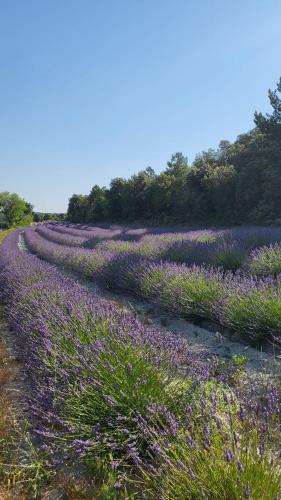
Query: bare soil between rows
[[262, 367]]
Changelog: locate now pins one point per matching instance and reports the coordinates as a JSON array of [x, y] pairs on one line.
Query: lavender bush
[[85, 232], [79, 259], [230, 249], [245, 304], [130, 402], [266, 260], [60, 237]]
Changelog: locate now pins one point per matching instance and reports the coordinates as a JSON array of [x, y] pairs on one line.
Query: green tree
[[177, 165], [77, 208], [271, 124], [240, 182], [97, 204], [14, 210], [116, 198]]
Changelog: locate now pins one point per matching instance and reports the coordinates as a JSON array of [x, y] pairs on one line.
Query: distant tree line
[[14, 211], [48, 216], [240, 182]]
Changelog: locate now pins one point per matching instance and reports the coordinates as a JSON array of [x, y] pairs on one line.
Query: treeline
[[14, 211], [238, 183], [48, 216]]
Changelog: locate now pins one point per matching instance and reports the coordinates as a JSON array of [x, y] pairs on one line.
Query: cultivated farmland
[[121, 408]]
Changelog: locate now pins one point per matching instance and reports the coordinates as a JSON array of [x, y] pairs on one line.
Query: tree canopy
[[240, 182], [14, 210]]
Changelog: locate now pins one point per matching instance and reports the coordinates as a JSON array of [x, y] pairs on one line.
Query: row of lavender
[[129, 402], [251, 235], [255, 250], [245, 304]]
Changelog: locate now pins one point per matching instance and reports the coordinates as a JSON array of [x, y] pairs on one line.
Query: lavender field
[[129, 410], [231, 277]]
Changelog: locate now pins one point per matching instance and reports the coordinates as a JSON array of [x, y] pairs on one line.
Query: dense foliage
[[147, 418], [48, 216], [14, 211], [238, 183]]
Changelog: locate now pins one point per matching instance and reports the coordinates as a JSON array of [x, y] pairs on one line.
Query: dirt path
[[262, 367]]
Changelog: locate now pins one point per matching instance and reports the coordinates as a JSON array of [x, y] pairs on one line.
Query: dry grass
[[3, 235], [74, 488], [19, 481], [6, 420], [5, 377], [16, 479], [5, 368]]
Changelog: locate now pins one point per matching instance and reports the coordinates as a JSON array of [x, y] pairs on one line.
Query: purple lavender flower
[[228, 455], [247, 491], [240, 467], [114, 464]]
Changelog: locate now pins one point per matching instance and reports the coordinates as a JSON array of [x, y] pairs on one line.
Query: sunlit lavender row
[[253, 250], [245, 304], [130, 403]]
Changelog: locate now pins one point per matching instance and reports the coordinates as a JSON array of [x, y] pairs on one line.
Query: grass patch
[[21, 469]]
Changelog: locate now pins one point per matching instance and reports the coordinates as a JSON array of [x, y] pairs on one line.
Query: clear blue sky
[[96, 89]]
